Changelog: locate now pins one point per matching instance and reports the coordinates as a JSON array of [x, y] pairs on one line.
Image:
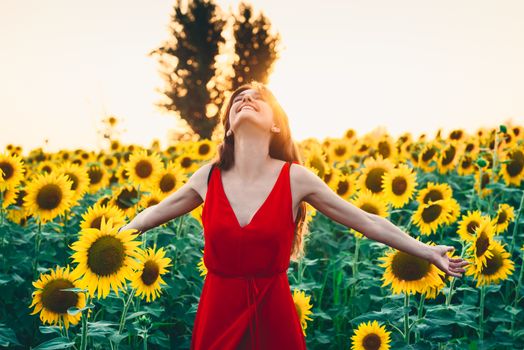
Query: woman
[[253, 218]]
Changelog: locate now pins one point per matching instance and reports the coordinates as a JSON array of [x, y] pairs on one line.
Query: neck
[[251, 153]]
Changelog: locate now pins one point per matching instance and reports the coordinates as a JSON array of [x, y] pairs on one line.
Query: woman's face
[[250, 106]]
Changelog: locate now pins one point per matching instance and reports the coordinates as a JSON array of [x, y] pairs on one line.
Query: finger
[[460, 264], [455, 259], [454, 274], [457, 269]]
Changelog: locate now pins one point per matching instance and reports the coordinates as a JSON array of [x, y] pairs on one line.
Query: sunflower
[[469, 223], [9, 196], [126, 199], [372, 173], [449, 156], [453, 211], [427, 156], [46, 167], [11, 170], [303, 308], [428, 217], [202, 266], [512, 168], [92, 218], [399, 185], [98, 178], [480, 185], [371, 203], [78, 176], [52, 302], [339, 150], [344, 184], [109, 161], [434, 192], [148, 278], [315, 160], [409, 273], [370, 336], [105, 257], [465, 166], [142, 168], [187, 161], [505, 215], [482, 242], [169, 179], [204, 149], [386, 147], [498, 266], [48, 195]]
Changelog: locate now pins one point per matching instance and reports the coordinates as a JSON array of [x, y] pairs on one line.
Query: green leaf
[[57, 343]]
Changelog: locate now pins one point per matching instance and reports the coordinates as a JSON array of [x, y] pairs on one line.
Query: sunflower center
[[433, 195], [472, 226], [502, 217], [95, 175], [482, 244], [340, 151], [56, 300], [383, 149], [431, 213], [517, 163], [124, 199], [428, 155], [186, 162], [203, 149], [408, 267], [342, 187], [106, 255], [7, 169], [493, 264], [371, 342], [167, 183], [370, 208], [20, 198], [97, 223], [49, 196], [399, 185], [143, 169], [466, 163], [74, 179], [449, 155], [150, 273], [374, 180]]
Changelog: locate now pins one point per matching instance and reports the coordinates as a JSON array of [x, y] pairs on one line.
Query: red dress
[[246, 301]]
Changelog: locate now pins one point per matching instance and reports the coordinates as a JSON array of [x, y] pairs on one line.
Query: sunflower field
[[71, 277]]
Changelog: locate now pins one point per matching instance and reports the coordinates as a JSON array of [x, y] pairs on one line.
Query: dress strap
[[210, 171]]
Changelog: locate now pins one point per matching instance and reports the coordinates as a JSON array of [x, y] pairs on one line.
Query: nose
[[245, 97]]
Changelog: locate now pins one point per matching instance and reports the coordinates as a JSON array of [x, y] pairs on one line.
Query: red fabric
[[246, 301]]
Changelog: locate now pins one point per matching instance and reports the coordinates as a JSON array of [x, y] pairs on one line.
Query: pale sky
[[404, 65]]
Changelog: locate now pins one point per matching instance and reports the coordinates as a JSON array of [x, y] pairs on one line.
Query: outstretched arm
[[180, 202], [317, 193]]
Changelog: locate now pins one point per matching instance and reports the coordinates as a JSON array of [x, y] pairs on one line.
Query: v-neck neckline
[[259, 208]]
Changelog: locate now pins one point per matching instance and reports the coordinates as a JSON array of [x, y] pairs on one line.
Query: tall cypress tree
[[191, 88], [255, 47]]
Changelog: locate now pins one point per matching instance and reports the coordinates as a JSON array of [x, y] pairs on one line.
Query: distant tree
[[255, 47], [188, 62]]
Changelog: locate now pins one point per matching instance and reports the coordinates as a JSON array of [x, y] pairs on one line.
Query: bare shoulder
[[198, 180], [303, 181]]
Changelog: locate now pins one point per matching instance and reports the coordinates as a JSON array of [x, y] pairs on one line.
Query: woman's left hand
[[451, 266]]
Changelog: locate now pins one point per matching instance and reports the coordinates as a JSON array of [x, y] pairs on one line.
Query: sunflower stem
[[406, 318], [481, 311], [419, 314], [37, 248], [124, 313], [83, 339], [515, 300], [453, 279], [516, 225]]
